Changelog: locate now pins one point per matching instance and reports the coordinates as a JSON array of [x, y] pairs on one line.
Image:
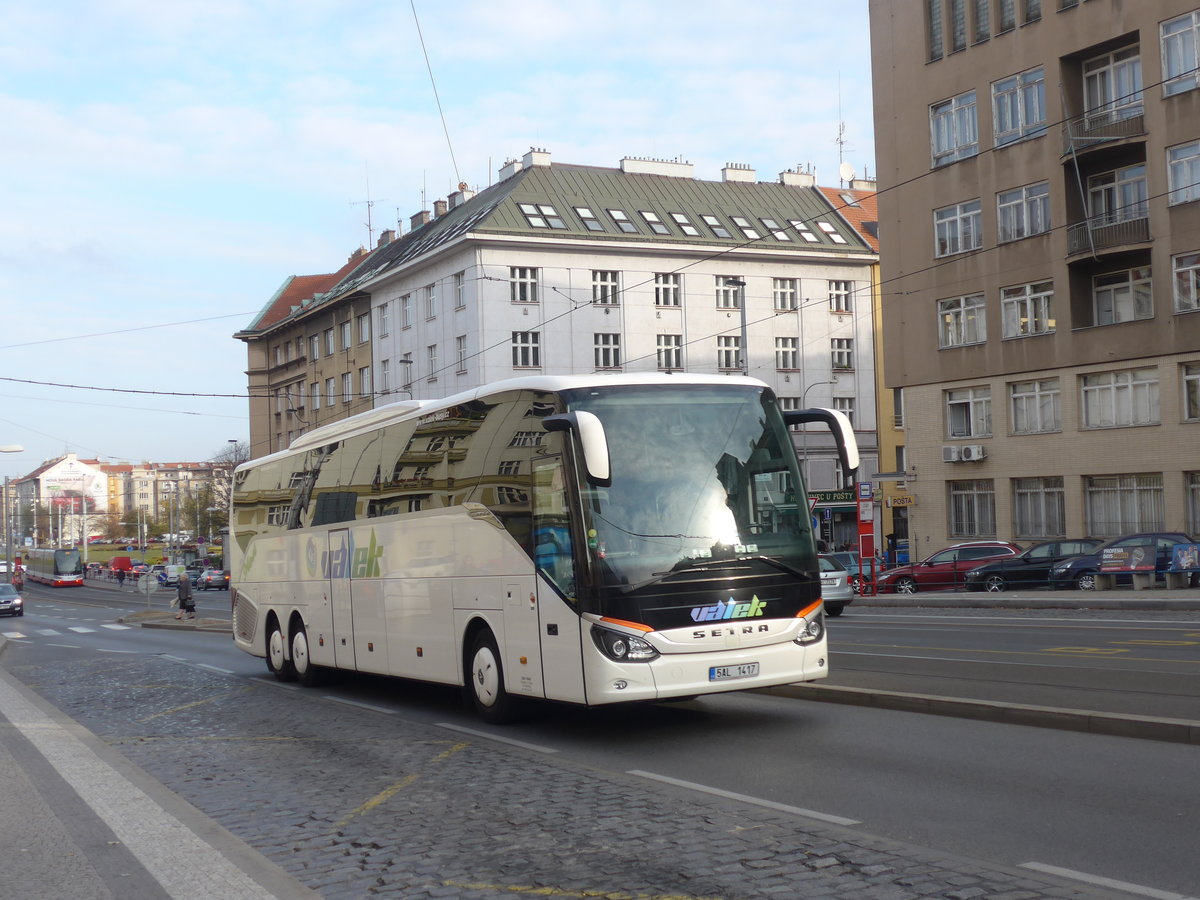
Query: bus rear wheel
[[485, 681], [307, 674], [277, 661]]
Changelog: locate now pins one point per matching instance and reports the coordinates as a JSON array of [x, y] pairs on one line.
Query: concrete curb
[[1181, 731]]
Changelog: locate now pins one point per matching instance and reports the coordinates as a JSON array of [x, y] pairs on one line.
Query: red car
[[945, 570]]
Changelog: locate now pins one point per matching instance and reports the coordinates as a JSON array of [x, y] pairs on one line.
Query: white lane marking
[[745, 798], [214, 668], [371, 707], [68, 646], [79, 629], [48, 632], [13, 634], [104, 650], [1101, 881], [185, 865], [537, 748], [116, 627]]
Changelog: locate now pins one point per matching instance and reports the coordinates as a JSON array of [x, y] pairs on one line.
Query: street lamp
[[804, 432], [8, 563]]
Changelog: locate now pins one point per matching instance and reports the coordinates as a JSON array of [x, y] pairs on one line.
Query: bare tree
[[233, 454]]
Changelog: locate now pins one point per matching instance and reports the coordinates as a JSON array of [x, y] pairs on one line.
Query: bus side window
[[553, 552]]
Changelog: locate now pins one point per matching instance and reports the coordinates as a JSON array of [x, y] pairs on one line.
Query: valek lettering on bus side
[[729, 609], [346, 561]]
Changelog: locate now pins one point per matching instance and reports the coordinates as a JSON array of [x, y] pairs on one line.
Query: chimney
[[418, 219], [863, 184], [793, 178], [509, 169], [674, 168], [386, 237], [439, 208], [536, 157], [738, 172], [461, 196]]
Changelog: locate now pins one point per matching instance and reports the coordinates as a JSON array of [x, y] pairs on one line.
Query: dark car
[[214, 579], [11, 603], [1028, 569], [1081, 571], [943, 570]]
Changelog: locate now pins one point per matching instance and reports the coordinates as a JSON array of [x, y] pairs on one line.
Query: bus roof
[[404, 409]]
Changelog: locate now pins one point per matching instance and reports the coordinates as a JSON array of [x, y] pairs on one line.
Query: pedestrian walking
[[187, 603], [120, 579]]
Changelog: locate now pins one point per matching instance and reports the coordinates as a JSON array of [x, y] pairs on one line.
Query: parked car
[[214, 579], [835, 585], [1028, 569], [1080, 572], [850, 561], [11, 602], [944, 570]]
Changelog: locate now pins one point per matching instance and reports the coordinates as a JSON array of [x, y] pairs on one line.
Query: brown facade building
[[1039, 179]]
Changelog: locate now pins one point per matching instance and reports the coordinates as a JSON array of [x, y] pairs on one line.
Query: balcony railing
[[1100, 127], [1105, 233]]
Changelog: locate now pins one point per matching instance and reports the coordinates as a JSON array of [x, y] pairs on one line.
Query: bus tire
[[277, 661], [307, 674], [485, 681]]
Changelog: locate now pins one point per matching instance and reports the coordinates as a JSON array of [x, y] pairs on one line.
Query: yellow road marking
[[172, 711], [387, 793], [559, 892], [1096, 651], [1161, 643]]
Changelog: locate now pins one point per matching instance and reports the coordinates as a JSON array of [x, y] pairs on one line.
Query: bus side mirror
[[843, 434], [592, 440]]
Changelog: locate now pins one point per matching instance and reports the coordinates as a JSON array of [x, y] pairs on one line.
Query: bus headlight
[[622, 647], [814, 630]]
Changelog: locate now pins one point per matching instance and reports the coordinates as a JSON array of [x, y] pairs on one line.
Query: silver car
[[835, 586]]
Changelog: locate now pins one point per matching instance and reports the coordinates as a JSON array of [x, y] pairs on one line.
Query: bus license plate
[[724, 673]]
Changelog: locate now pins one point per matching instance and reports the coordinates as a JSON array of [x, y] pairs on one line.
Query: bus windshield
[[702, 476]]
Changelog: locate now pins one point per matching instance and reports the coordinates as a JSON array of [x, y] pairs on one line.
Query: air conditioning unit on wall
[[973, 452], [950, 453]]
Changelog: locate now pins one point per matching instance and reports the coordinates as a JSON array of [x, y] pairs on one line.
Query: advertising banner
[[1128, 558]]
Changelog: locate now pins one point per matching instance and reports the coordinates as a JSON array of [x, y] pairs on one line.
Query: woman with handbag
[[187, 603]]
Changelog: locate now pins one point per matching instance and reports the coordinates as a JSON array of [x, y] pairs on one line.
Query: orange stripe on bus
[[808, 609], [638, 625]]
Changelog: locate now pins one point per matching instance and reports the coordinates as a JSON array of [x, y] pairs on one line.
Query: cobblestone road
[[358, 804]]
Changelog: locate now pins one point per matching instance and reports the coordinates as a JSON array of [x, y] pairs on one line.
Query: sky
[[168, 165]]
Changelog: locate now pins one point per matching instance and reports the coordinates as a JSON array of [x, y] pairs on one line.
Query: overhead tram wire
[[436, 98]]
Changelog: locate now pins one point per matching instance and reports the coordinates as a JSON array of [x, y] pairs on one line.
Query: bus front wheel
[[277, 661], [485, 681]]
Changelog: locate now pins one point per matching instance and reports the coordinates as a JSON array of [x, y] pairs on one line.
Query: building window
[[347, 334], [1118, 196], [1191, 392], [803, 230], [845, 405], [459, 283], [685, 225], [604, 287], [542, 215], [588, 218], [776, 229], [933, 26], [329, 346], [715, 226], [314, 348], [983, 22], [1036, 406], [1007, 16], [783, 294], [364, 382], [1112, 86], [729, 352], [526, 349], [831, 232], [509, 467], [787, 354], [523, 284], [314, 395], [842, 353], [972, 508], [431, 303], [652, 220], [460, 351], [622, 221], [1180, 60], [385, 376], [1033, 10], [1120, 399], [1183, 172], [728, 290], [841, 296], [1039, 507], [606, 351], [969, 412], [1122, 296], [1023, 212], [744, 226], [406, 311], [1193, 502], [1123, 504], [670, 352], [961, 321], [431, 358], [958, 228], [954, 129], [668, 289], [385, 318], [1027, 309], [958, 25], [347, 387], [364, 327], [330, 391]]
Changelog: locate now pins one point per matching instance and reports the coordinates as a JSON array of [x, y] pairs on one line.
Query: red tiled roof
[[864, 217], [301, 288]]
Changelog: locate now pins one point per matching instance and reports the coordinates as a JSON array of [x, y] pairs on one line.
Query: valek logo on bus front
[[346, 561], [729, 609]]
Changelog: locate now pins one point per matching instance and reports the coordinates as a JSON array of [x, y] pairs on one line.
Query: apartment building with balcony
[[1039, 172]]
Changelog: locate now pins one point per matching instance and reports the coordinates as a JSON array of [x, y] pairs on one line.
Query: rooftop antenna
[[369, 203], [840, 140]]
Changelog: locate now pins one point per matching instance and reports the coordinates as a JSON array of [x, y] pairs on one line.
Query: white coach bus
[[587, 539]]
